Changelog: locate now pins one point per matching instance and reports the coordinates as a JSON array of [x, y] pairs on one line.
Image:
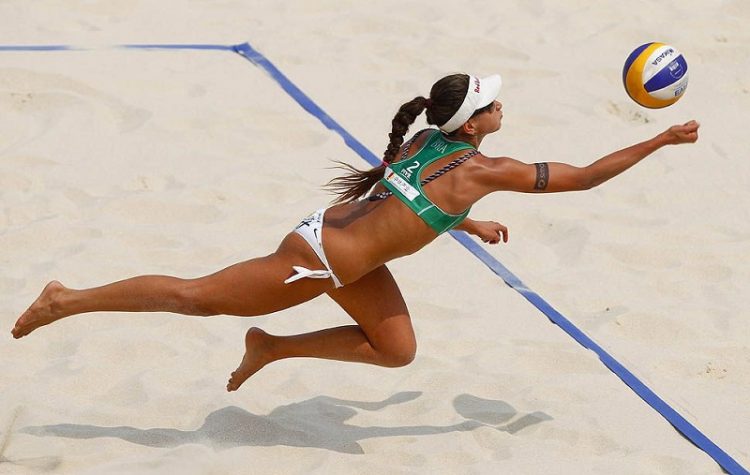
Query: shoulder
[[498, 172], [423, 134], [427, 130], [489, 164], [416, 141]]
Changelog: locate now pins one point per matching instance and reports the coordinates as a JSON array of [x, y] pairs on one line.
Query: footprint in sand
[[567, 239], [46, 97], [641, 256], [164, 210], [628, 112]]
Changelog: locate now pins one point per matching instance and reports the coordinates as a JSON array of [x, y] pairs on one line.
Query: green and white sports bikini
[[402, 178]]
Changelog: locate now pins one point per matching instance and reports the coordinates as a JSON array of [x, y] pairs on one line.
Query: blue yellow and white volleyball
[[655, 75]]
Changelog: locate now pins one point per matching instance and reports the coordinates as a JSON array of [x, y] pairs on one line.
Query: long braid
[[446, 97], [405, 116], [357, 182]]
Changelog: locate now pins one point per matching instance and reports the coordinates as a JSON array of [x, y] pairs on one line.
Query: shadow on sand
[[318, 422]]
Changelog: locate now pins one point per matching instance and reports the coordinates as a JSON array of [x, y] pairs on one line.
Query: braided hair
[[446, 96]]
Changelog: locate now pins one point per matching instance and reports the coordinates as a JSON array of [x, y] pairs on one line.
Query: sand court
[[117, 162]]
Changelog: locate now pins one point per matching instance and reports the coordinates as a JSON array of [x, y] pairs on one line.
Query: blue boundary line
[[37, 48], [645, 393], [194, 47], [302, 99], [203, 47]]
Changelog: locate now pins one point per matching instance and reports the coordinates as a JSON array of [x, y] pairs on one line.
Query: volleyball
[[655, 75]]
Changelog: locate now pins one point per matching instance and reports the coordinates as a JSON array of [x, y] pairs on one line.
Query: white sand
[[116, 163]]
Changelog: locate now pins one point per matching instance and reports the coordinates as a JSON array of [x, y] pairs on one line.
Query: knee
[[401, 355], [193, 298]]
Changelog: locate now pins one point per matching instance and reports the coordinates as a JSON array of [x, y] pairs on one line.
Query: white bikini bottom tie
[[303, 272]]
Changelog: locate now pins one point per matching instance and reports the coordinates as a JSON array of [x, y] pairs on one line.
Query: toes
[[20, 330], [236, 380], [232, 384]]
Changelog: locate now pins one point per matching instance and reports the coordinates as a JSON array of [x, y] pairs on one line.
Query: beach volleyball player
[[423, 188]]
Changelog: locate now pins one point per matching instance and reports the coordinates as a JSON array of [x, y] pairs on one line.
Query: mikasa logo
[[659, 58], [477, 85]]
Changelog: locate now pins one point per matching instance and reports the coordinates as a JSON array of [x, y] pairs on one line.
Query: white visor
[[481, 93]]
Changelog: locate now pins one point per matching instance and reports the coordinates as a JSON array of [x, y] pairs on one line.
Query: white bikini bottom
[[311, 228]]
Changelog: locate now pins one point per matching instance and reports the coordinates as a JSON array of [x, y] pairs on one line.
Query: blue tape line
[[199, 47], [37, 48], [246, 51], [674, 418], [643, 391], [179, 46]]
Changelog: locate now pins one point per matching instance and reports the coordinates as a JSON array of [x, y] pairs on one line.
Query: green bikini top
[[402, 178]]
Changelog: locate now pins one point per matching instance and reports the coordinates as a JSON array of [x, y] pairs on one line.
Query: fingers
[[691, 128], [492, 240], [689, 125], [690, 132], [504, 232], [685, 133], [496, 233]]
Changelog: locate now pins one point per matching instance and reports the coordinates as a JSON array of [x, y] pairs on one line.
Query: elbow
[[579, 184], [586, 180], [586, 185]]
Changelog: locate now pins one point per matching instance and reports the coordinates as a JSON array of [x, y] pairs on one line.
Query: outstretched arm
[[511, 175]]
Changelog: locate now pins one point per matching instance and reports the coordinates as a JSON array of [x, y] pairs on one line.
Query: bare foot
[[257, 355], [43, 311]]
